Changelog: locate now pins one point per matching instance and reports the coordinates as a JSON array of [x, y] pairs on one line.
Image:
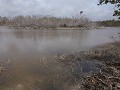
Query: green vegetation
[[109, 23], [114, 2], [3, 21]]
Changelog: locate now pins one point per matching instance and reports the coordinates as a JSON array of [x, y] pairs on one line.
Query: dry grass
[[108, 76]]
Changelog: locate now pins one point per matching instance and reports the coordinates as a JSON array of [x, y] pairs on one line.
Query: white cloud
[[55, 8]]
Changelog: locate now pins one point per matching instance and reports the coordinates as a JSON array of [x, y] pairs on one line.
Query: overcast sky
[[61, 8]]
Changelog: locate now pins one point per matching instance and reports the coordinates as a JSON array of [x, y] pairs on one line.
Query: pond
[[28, 56]]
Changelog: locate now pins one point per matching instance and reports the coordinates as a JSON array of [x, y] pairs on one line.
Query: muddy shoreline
[[54, 28], [108, 75]]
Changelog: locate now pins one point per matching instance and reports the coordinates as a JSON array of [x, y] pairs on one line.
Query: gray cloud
[[56, 8]]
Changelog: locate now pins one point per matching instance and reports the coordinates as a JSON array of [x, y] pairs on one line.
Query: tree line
[[37, 22], [109, 23]]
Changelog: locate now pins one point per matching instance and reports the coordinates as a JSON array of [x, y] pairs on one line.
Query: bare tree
[[37, 22]]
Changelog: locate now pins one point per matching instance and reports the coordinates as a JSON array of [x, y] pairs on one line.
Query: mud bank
[[107, 76]]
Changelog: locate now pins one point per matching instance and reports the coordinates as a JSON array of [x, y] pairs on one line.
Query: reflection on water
[[52, 42], [31, 54], [49, 42]]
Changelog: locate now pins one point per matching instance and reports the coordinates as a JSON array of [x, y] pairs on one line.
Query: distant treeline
[[37, 22], [109, 23]]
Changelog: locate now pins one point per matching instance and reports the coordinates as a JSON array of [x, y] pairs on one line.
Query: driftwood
[[107, 79], [2, 69]]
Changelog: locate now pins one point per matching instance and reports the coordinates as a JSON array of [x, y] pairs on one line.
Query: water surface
[[31, 56], [52, 41]]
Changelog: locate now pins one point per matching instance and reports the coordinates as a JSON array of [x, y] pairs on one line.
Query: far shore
[[56, 28]]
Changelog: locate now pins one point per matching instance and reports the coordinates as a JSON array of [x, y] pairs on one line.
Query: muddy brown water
[[28, 56]]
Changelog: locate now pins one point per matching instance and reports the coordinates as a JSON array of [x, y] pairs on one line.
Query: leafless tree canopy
[[37, 22]]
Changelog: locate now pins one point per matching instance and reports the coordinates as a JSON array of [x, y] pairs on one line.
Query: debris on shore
[[107, 79], [108, 76], [1, 68]]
